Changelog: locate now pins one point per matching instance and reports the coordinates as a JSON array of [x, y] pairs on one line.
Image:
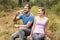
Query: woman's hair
[[43, 9]]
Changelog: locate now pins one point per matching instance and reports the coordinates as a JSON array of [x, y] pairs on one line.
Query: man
[[28, 20]]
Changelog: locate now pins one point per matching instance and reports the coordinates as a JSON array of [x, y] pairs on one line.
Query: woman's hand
[[29, 36], [49, 34]]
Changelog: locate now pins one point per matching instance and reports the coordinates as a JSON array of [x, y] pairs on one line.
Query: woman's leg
[[37, 36], [41, 36], [34, 36]]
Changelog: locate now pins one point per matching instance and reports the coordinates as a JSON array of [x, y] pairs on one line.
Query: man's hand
[[15, 18], [18, 13], [16, 26]]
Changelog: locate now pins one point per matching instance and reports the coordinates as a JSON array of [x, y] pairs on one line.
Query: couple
[[35, 27]]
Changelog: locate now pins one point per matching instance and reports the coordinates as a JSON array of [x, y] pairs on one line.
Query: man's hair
[[43, 9], [29, 7]]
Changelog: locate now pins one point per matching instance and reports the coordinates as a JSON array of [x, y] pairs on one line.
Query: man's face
[[26, 9]]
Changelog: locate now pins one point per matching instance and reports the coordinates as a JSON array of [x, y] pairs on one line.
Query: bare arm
[[25, 26], [47, 32], [16, 16], [46, 28], [29, 23], [33, 27]]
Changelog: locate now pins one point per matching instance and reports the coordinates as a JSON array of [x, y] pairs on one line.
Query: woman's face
[[40, 12]]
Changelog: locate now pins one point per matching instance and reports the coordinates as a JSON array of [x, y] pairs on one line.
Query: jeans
[[38, 36], [21, 34]]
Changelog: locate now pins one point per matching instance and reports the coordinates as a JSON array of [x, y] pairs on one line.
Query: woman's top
[[40, 24]]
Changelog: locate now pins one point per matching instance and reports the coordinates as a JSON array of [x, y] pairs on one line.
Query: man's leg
[[15, 35], [23, 32]]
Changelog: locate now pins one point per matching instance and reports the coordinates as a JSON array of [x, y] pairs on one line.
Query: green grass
[[54, 21], [34, 10], [3, 13]]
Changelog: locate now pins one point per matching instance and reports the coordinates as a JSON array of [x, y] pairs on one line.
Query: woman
[[39, 29]]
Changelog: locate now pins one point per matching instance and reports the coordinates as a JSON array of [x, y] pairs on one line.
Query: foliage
[[2, 13], [56, 8], [9, 4], [53, 14]]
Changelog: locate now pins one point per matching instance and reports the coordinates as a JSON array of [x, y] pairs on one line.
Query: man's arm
[[29, 23], [17, 17], [25, 26]]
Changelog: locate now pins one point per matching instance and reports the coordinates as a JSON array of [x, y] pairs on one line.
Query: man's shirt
[[27, 18]]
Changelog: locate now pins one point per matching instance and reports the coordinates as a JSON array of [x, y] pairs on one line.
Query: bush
[[1, 1], [9, 4], [40, 2], [56, 8], [47, 3], [3, 13]]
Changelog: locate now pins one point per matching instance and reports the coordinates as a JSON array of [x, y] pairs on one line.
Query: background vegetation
[[8, 10]]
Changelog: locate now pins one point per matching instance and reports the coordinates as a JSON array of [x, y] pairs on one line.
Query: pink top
[[40, 24]]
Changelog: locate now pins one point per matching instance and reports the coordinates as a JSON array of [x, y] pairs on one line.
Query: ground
[[6, 22]]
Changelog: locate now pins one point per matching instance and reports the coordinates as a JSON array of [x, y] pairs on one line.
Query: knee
[[12, 37], [21, 30], [34, 37]]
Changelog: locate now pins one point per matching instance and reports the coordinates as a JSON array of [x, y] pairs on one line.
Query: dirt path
[[5, 25], [5, 21]]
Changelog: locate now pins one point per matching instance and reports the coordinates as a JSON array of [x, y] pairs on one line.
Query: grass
[[3, 13], [7, 29], [34, 10]]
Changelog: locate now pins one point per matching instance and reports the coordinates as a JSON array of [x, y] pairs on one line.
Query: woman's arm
[[47, 32], [33, 27], [46, 27]]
